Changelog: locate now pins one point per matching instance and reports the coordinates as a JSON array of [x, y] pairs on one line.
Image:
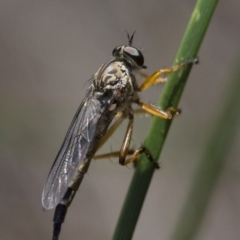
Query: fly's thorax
[[116, 79], [115, 75]]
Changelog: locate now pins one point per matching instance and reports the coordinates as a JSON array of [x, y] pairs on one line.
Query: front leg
[[156, 77]]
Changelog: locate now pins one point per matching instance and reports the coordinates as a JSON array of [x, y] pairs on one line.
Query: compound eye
[[135, 55], [116, 51]]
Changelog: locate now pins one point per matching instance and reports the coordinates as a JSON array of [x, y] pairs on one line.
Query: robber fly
[[112, 92]]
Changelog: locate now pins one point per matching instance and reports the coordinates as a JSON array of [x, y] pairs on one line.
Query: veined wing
[[73, 150]]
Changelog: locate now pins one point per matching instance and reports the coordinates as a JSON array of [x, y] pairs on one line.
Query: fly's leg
[[110, 132], [127, 139], [154, 110], [124, 151], [134, 155], [137, 153], [156, 78]]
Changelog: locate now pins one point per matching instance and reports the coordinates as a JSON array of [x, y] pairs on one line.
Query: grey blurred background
[[48, 50]]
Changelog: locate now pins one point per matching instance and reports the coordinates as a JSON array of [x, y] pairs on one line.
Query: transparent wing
[[73, 150]]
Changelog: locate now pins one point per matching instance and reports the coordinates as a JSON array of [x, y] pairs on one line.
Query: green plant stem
[[172, 92]]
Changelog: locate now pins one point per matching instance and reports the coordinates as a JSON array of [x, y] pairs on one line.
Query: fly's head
[[132, 55]]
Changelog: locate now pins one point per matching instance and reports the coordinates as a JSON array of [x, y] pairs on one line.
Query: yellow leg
[[127, 139], [156, 78], [125, 151], [154, 110], [112, 129], [134, 156], [115, 125], [111, 155]]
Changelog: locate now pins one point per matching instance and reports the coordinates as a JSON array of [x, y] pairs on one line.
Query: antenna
[[130, 39]]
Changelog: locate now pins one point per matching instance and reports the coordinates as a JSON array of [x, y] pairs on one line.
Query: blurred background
[[48, 51]]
